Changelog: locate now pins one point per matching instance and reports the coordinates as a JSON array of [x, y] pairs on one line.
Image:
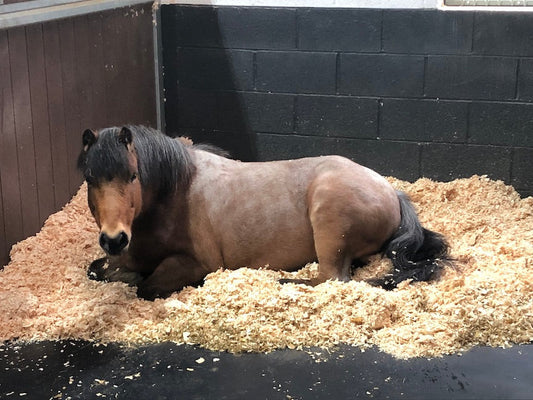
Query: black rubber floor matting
[[83, 370]]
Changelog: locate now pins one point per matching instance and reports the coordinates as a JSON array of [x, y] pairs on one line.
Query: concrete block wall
[[407, 92]]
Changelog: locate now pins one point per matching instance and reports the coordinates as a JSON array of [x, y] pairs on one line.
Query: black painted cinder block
[[397, 159], [240, 145], [457, 77], [381, 75], [427, 31], [336, 116], [216, 69], [503, 34], [296, 72], [170, 90], [258, 28], [339, 29], [230, 27], [259, 112], [502, 124], [285, 147], [389, 158], [190, 26], [424, 120], [522, 172], [525, 80], [195, 109], [445, 162]]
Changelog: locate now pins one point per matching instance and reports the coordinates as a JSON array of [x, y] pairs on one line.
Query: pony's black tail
[[416, 252]]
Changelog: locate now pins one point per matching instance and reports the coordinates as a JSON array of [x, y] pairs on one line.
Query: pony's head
[[110, 166], [127, 170]]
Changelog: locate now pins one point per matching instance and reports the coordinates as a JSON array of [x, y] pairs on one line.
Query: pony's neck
[[165, 165], [156, 204]]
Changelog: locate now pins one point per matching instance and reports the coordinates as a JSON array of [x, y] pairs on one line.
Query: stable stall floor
[[83, 370]]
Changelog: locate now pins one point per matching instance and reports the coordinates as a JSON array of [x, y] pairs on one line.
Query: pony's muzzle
[[114, 245]]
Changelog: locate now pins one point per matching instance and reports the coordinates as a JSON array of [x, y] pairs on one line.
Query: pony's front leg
[[113, 269], [171, 275]]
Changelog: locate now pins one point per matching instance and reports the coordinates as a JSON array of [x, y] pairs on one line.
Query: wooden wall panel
[[40, 121], [57, 79], [84, 73], [23, 130], [71, 98], [9, 170], [56, 112], [3, 243], [116, 89], [98, 112]]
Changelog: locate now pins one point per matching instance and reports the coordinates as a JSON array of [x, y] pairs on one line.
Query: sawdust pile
[[486, 299]]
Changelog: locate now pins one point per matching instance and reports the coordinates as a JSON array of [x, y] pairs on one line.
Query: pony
[[169, 213]]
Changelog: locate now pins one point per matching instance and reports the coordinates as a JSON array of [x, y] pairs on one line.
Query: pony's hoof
[[96, 269], [296, 281], [388, 282], [148, 293], [308, 282]]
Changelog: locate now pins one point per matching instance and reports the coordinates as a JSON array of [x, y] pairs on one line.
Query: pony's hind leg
[[334, 262], [342, 233]]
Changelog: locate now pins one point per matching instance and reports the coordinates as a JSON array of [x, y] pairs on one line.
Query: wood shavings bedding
[[486, 299]]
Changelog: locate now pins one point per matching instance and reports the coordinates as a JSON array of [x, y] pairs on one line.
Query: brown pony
[[170, 213]]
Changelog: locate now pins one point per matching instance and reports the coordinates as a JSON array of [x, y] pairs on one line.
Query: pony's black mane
[[164, 164]]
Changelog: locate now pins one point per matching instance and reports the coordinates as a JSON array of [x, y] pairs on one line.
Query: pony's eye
[[133, 177]]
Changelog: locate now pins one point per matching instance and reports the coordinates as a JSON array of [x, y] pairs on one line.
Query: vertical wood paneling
[[143, 42], [114, 51], [56, 79], [24, 130], [41, 122], [135, 40], [96, 69], [84, 79], [8, 152], [125, 76], [71, 98], [3, 242], [56, 109]]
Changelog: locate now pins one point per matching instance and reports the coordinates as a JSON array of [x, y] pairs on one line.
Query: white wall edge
[[381, 4], [53, 12], [518, 9], [38, 11]]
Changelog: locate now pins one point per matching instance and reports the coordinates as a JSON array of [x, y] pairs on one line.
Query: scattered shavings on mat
[[486, 299]]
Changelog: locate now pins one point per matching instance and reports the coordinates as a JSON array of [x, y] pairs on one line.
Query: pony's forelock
[[163, 163], [105, 160]]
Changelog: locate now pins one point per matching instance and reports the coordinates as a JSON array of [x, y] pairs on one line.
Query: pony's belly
[[283, 254], [280, 240]]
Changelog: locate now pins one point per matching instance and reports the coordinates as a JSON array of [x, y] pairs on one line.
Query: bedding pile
[[485, 298]]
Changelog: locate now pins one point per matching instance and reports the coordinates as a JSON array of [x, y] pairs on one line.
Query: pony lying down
[[171, 213]]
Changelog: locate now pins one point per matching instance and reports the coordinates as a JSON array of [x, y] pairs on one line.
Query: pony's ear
[[125, 136], [89, 137]]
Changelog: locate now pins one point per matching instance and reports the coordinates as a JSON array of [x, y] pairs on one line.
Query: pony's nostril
[[123, 240], [104, 241], [114, 245]]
